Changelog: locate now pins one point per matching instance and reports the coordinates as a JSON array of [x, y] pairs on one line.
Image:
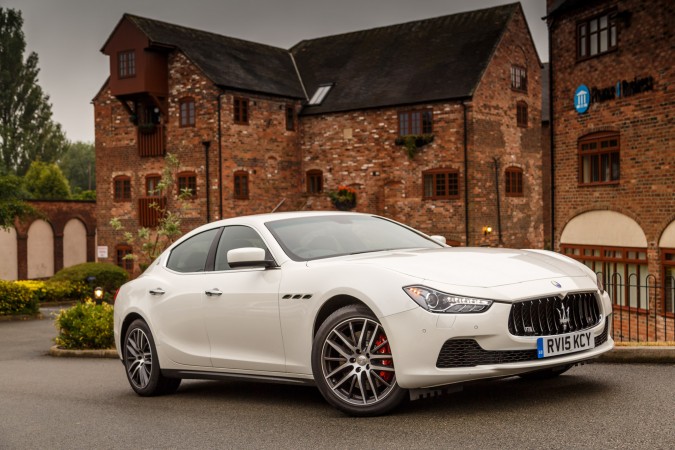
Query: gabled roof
[[228, 62], [428, 60]]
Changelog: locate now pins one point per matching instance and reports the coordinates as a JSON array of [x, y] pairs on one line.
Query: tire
[[353, 365], [546, 374], [142, 365]]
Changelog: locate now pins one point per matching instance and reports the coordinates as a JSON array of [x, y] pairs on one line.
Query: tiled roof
[[228, 62], [422, 61]]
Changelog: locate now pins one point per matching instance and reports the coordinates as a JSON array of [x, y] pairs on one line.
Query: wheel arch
[[128, 320], [332, 305]]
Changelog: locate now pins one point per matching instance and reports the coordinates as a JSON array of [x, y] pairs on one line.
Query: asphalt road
[[54, 403]]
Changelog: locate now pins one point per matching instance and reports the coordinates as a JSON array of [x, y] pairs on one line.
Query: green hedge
[[108, 276], [16, 299], [85, 326], [57, 291]]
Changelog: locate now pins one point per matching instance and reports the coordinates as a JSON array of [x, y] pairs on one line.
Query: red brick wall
[[645, 121]]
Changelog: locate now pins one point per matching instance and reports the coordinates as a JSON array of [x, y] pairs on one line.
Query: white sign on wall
[[102, 251]]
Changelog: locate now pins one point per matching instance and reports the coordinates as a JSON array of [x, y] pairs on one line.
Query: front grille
[[554, 315], [468, 353]]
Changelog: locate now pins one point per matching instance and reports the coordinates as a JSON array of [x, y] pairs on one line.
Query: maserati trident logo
[[556, 284], [564, 316]]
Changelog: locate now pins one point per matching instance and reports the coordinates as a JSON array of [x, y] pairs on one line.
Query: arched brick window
[[122, 188], [314, 181], [187, 112], [514, 181]]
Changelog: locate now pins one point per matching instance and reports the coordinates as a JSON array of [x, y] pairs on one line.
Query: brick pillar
[[22, 255], [91, 247], [58, 252]]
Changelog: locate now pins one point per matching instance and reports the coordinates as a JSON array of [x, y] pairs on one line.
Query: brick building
[[436, 123], [613, 103]]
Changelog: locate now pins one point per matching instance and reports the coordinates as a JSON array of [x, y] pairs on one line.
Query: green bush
[[85, 326], [17, 299], [56, 291], [108, 276]]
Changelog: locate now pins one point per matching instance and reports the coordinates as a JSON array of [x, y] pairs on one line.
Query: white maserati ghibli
[[365, 308]]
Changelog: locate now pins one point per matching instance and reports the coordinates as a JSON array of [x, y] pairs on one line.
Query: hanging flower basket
[[344, 199]]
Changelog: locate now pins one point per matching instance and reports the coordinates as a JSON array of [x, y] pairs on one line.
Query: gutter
[[551, 134], [466, 177]]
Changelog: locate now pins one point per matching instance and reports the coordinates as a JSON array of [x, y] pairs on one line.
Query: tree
[[27, 132], [45, 181], [12, 205], [78, 165], [151, 243]]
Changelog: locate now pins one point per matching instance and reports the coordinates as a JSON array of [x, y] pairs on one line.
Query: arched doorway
[[74, 243], [9, 269], [40, 250]]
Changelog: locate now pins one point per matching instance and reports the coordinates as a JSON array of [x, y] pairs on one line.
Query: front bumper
[[417, 337]]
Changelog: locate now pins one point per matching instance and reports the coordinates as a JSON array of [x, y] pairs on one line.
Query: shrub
[[108, 276], [17, 299], [56, 291], [85, 326]]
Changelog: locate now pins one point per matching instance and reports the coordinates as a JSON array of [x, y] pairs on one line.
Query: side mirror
[[439, 239], [248, 257]]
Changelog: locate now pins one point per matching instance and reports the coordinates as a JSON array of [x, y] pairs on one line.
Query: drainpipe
[[466, 177], [551, 125], [220, 157], [499, 210], [206, 145]]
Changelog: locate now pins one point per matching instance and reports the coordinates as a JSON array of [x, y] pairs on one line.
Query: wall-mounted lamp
[[487, 230]]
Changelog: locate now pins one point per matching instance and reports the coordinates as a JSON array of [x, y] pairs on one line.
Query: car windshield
[[309, 238]]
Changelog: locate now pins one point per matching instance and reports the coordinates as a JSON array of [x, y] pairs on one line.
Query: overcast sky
[[67, 35]]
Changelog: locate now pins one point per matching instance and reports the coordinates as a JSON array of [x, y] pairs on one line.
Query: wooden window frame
[[187, 116], [521, 114], [598, 263], [187, 180], [435, 174], [584, 35], [240, 106], [518, 78], [121, 250], [415, 121], [513, 181], [153, 177], [126, 64], [596, 158], [314, 182], [123, 193], [290, 118], [240, 188]]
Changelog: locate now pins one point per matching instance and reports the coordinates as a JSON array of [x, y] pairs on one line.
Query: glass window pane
[[190, 256], [428, 185], [603, 22], [603, 41], [594, 44], [237, 237], [594, 25], [440, 184]]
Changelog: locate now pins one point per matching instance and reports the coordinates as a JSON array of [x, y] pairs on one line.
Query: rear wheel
[[546, 373], [142, 365], [353, 364]]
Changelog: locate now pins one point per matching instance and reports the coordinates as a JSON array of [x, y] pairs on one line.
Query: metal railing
[[643, 307]]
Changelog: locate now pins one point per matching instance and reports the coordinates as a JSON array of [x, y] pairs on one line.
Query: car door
[[178, 301], [242, 309]]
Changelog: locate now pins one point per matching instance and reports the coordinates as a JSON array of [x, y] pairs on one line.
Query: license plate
[[564, 343]]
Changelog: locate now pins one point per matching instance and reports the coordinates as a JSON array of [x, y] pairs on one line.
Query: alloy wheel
[[357, 363], [138, 358]]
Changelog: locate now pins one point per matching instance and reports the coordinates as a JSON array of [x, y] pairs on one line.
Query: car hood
[[474, 267]]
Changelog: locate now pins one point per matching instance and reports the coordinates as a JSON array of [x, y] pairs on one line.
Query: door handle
[[157, 291], [214, 292]]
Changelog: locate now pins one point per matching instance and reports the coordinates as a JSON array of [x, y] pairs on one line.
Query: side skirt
[[200, 375]]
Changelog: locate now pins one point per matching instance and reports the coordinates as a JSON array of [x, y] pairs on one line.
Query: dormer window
[[320, 94], [126, 64]]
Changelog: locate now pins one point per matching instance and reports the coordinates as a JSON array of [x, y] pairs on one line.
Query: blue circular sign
[[582, 99]]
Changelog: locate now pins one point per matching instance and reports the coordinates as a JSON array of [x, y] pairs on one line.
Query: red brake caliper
[[386, 376]]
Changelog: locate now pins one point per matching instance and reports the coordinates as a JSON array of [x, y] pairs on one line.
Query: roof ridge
[[402, 24]]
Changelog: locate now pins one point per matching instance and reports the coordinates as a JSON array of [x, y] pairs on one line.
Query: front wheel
[[142, 365], [353, 364]]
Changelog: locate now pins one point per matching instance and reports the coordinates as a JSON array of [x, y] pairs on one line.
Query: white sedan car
[[365, 308]]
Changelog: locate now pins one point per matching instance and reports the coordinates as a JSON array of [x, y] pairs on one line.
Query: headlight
[[440, 302]]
